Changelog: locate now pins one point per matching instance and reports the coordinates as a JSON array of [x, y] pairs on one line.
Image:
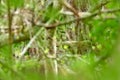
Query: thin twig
[[99, 6], [30, 43], [70, 8]]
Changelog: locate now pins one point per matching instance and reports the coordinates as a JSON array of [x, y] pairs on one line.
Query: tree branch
[[91, 15]]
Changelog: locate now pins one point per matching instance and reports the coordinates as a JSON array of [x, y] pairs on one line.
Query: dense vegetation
[[59, 39]]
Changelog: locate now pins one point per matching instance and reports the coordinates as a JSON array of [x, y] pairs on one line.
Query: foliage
[[59, 39]]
